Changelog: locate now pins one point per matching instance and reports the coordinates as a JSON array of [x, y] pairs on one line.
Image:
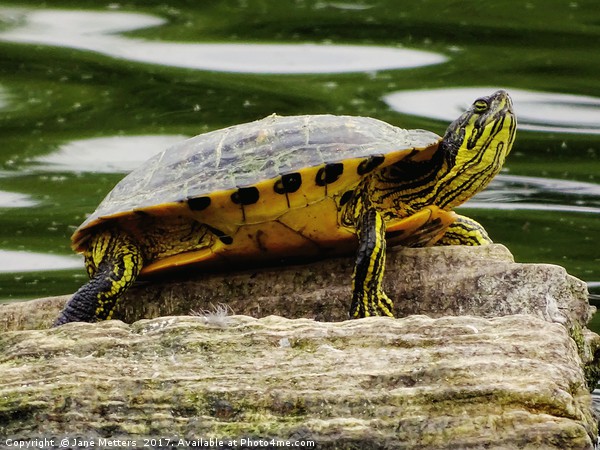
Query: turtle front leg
[[113, 262], [368, 298], [465, 231]]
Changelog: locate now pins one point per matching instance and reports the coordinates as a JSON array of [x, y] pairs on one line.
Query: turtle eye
[[480, 105]]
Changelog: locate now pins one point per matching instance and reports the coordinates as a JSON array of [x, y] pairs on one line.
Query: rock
[[483, 281], [489, 354], [438, 281], [375, 383], [31, 315]]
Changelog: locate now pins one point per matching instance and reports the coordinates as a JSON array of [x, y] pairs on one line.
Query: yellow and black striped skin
[[403, 196], [368, 297], [113, 262], [471, 153], [465, 231]]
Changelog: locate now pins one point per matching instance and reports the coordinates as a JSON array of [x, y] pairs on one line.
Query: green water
[[90, 89]]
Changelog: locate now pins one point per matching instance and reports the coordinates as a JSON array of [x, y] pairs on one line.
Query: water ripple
[[112, 154], [15, 200], [512, 192], [536, 111], [95, 31], [22, 261]]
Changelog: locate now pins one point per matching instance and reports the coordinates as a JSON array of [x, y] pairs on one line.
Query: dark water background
[[90, 89]]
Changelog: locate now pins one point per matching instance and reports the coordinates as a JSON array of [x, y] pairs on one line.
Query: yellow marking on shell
[[269, 241], [182, 259], [319, 223], [263, 242], [224, 214], [301, 232], [271, 205]]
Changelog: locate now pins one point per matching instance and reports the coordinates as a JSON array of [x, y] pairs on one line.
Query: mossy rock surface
[[415, 382], [486, 353]]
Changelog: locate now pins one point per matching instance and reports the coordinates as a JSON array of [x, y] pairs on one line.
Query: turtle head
[[475, 146]]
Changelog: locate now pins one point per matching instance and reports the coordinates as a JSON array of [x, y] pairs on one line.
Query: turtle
[[286, 187]]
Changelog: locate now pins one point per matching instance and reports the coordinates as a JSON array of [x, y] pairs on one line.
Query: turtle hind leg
[[113, 262], [368, 298], [465, 231]]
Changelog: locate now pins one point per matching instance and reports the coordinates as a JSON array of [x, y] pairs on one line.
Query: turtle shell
[[255, 172]]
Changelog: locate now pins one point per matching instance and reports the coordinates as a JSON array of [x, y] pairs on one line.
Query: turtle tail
[[113, 261]]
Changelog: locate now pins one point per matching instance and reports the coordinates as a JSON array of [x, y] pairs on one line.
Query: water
[[89, 90]]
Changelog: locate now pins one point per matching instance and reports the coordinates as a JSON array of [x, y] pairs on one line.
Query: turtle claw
[[385, 306], [375, 304]]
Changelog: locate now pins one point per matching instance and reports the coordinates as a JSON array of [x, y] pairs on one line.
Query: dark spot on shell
[[288, 183], [224, 238], [328, 174], [245, 196], [369, 164], [227, 240], [412, 153], [346, 196], [198, 203]]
